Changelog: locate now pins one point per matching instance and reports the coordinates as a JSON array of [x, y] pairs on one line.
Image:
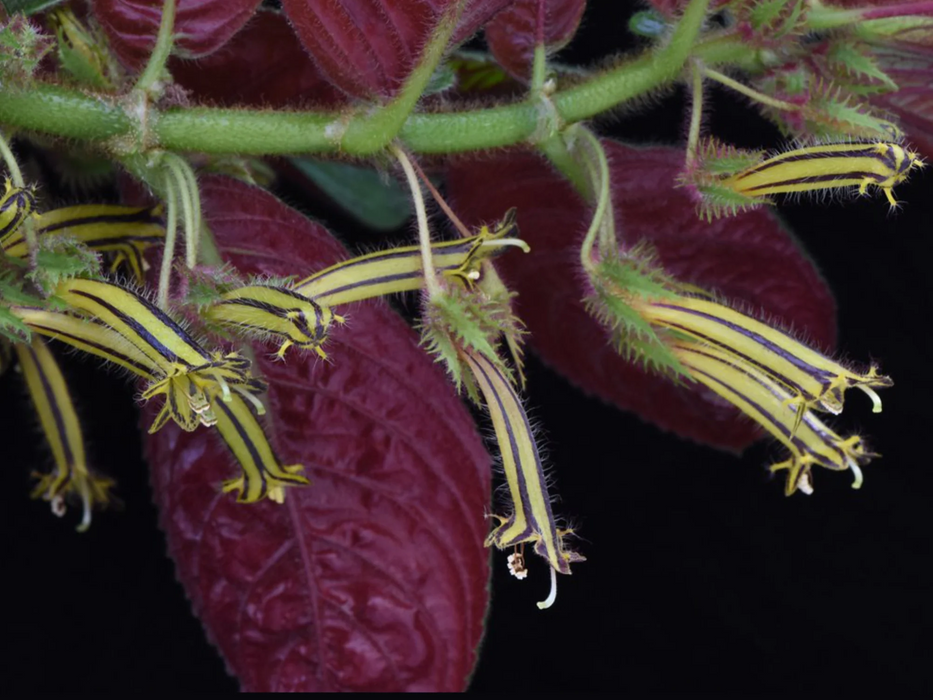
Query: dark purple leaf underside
[[201, 26], [375, 576], [368, 47], [512, 34]]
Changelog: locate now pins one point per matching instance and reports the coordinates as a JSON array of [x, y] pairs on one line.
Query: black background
[[701, 576]]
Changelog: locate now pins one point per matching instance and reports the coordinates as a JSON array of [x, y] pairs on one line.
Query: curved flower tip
[[263, 475]]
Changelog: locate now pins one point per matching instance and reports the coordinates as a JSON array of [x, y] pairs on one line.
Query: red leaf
[[368, 47], [748, 258], [262, 66], [205, 25], [512, 34], [374, 577], [914, 109]]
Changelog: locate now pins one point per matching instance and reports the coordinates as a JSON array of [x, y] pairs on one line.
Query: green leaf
[[29, 7], [378, 203], [649, 23], [12, 327]]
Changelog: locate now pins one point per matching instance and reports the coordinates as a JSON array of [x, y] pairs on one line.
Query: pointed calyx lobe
[[748, 259], [368, 47], [512, 33], [201, 26], [374, 576]]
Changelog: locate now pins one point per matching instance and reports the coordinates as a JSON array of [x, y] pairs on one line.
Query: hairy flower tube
[[189, 376], [808, 440], [263, 476], [400, 269], [818, 168], [123, 233], [531, 519], [72, 479]]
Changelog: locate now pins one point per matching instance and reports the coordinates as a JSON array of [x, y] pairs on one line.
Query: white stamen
[[58, 506], [257, 404], [517, 242], [856, 473], [516, 563], [552, 596], [872, 394], [805, 485]]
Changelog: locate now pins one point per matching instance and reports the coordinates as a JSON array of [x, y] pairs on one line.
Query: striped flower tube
[[400, 269], [71, 479], [124, 233], [809, 441], [811, 380], [824, 167], [532, 519]]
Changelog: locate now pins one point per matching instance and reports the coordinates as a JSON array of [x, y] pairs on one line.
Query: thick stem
[[69, 113], [160, 52]]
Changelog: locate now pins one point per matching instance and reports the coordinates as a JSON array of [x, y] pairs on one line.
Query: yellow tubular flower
[[532, 519], [768, 403], [400, 269], [189, 371], [829, 166], [812, 380], [50, 396], [275, 312], [263, 476], [15, 205], [125, 233]]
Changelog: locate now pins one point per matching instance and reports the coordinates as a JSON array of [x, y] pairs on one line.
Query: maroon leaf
[[374, 577], [368, 47], [749, 258], [512, 34], [914, 109], [201, 26], [264, 65]]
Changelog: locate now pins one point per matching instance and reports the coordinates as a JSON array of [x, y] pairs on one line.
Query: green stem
[[560, 153], [168, 252], [160, 52], [600, 176], [539, 66], [62, 112], [424, 232], [696, 115], [750, 93], [374, 131]]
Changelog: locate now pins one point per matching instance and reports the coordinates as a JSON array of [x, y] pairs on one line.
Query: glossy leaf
[[512, 34], [201, 26], [264, 65], [368, 47], [373, 577], [750, 259]]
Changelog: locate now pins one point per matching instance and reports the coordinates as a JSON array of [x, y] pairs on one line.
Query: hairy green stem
[[750, 93], [372, 132], [600, 225], [696, 114], [160, 52], [424, 232], [168, 252], [69, 113]]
